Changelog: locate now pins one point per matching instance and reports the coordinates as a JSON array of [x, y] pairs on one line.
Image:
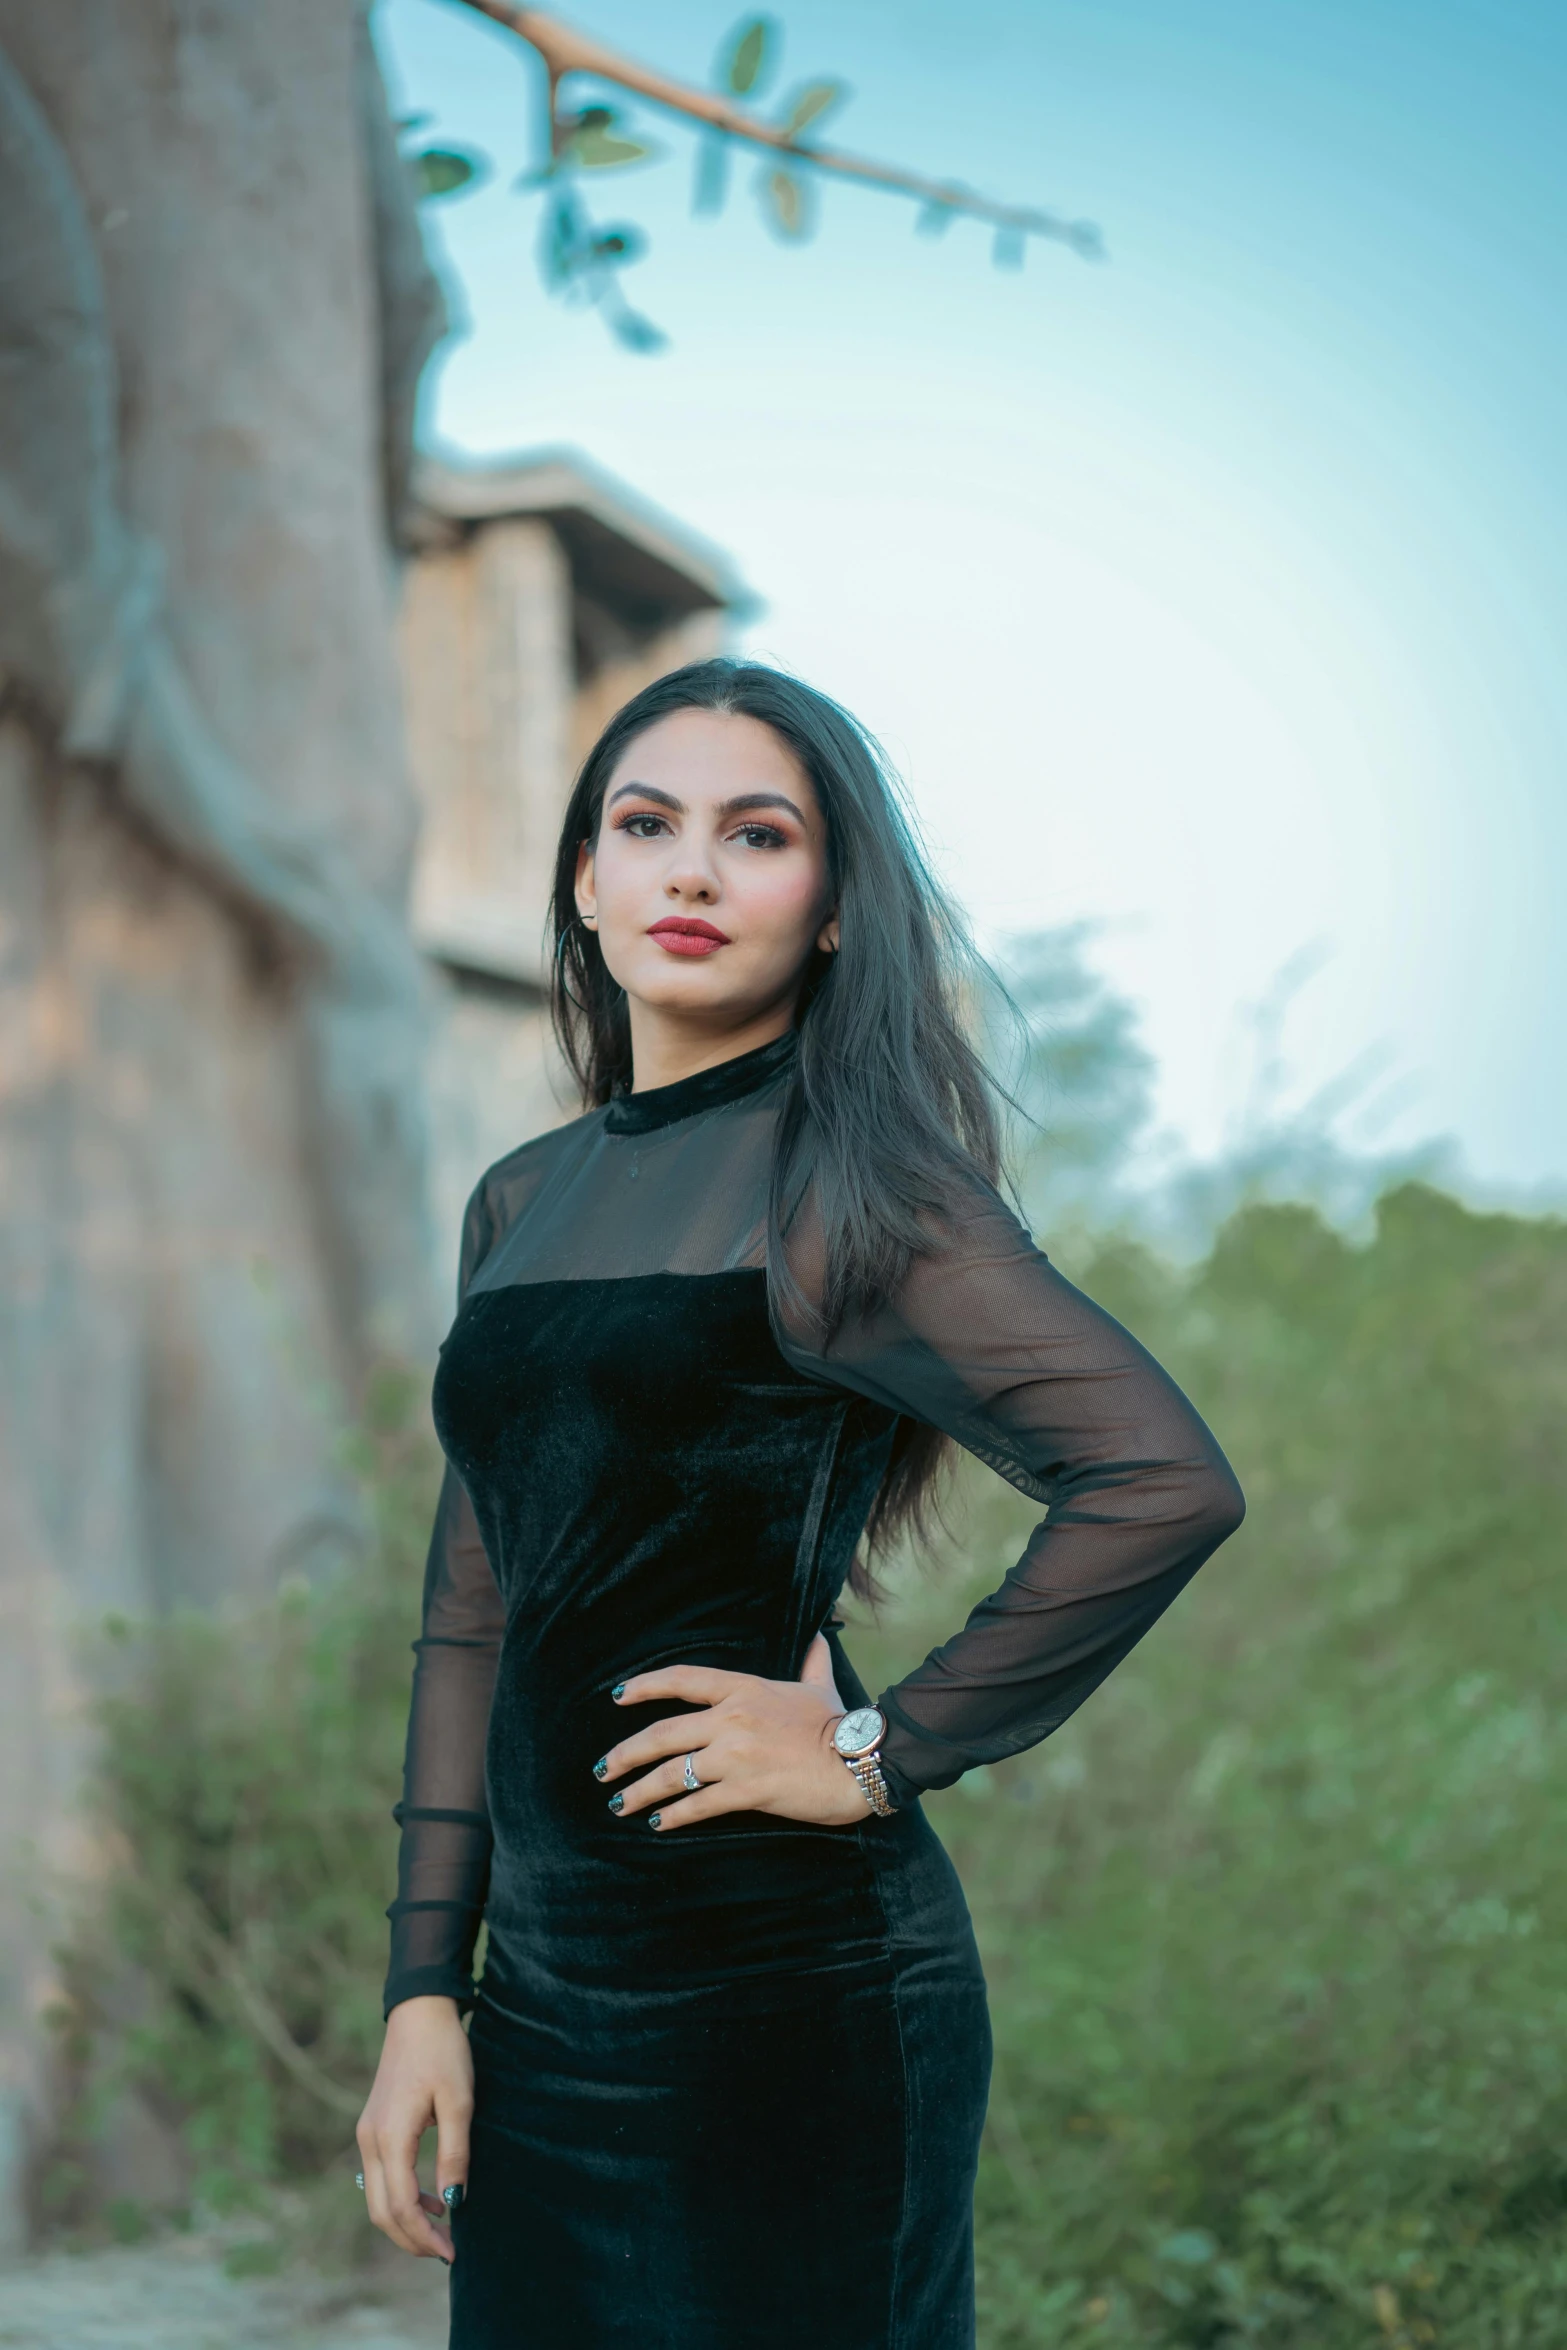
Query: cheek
[[783, 899], [620, 881]]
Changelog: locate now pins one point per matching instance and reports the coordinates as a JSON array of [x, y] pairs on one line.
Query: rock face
[[213, 312]]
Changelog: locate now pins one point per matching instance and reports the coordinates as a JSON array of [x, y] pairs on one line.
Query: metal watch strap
[[867, 1769]]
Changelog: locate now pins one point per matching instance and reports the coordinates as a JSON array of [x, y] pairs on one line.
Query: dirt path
[[174, 2295]]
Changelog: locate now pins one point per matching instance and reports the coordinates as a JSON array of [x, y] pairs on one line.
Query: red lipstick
[[682, 934]]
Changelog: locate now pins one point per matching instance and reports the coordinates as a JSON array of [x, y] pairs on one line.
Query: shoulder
[[531, 1161], [977, 1212], [960, 1213], [504, 1190]]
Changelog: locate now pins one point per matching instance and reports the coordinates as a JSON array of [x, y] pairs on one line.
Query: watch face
[[858, 1732]]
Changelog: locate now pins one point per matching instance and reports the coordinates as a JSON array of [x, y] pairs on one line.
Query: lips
[[680, 934]]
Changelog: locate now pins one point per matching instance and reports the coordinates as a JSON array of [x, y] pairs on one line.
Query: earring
[[576, 923]]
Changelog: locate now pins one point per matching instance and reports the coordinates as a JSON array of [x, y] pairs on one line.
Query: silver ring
[[359, 2180], [692, 1781]]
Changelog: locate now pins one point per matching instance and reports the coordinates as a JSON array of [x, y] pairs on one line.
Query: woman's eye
[[762, 836], [634, 825]]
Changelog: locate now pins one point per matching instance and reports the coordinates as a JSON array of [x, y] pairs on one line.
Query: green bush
[[1273, 1928], [232, 1972]]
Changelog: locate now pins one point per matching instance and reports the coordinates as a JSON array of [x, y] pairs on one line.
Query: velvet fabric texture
[[730, 2079], [754, 2120]]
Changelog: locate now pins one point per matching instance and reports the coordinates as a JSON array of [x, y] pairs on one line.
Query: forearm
[[444, 1857], [1087, 1588], [444, 1854]]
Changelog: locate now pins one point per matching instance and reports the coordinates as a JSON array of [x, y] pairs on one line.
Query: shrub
[[1274, 1927], [248, 1768]]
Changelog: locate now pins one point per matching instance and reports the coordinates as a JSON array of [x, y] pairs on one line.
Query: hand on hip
[[755, 1746]]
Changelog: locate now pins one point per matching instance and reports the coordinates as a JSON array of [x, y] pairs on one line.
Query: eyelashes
[[754, 836]]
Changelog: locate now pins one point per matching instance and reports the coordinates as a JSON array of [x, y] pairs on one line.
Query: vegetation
[[583, 261], [231, 1974], [1273, 1928]]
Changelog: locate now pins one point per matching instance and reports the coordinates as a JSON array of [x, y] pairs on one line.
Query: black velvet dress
[[730, 2080]]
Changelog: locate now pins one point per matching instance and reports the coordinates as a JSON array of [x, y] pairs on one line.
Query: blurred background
[[365, 440]]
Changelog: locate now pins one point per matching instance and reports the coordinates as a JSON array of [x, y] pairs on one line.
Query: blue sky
[[1216, 595]]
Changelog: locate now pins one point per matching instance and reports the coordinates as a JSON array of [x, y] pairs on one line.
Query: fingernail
[[452, 2197], [619, 1689], [601, 1766], [655, 1819], [615, 1802]]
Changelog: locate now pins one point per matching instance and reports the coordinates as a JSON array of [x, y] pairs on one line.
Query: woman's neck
[[665, 1050]]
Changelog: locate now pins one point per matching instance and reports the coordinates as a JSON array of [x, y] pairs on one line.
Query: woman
[[728, 2060]]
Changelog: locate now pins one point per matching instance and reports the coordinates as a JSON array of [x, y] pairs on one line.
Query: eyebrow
[[740, 805]]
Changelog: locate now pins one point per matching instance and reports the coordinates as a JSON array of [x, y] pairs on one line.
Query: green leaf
[[446, 171], [619, 245], [597, 149], [1189, 2248], [809, 104], [786, 205], [636, 332], [935, 218], [560, 251], [712, 174], [748, 55]]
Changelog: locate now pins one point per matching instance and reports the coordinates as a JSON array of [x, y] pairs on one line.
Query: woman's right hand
[[425, 2077]]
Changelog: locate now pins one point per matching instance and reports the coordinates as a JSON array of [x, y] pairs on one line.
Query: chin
[[675, 987]]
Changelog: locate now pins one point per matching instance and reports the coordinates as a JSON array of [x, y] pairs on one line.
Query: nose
[[691, 879]]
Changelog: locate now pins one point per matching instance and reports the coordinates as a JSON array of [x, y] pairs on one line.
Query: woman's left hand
[[758, 1746]]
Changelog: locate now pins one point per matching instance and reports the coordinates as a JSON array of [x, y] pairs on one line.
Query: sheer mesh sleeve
[[444, 1860], [988, 1342]]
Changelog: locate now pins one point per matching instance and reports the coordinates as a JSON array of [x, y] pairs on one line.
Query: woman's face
[[708, 881]]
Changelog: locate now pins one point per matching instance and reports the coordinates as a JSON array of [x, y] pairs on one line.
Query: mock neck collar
[[728, 1081]]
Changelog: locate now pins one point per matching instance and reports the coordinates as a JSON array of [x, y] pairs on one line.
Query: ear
[[586, 894], [827, 936]]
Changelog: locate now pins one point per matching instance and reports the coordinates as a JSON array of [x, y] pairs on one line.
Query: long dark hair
[[888, 1108]]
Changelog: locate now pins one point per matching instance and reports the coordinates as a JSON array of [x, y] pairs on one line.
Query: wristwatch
[[857, 1739]]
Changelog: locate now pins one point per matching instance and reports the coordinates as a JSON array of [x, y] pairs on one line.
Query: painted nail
[[615, 1802], [619, 1689], [655, 1819], [452, 2197], [601, 1766]]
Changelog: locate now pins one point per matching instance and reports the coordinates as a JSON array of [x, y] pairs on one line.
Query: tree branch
[[565, 50], [184, 1917]]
